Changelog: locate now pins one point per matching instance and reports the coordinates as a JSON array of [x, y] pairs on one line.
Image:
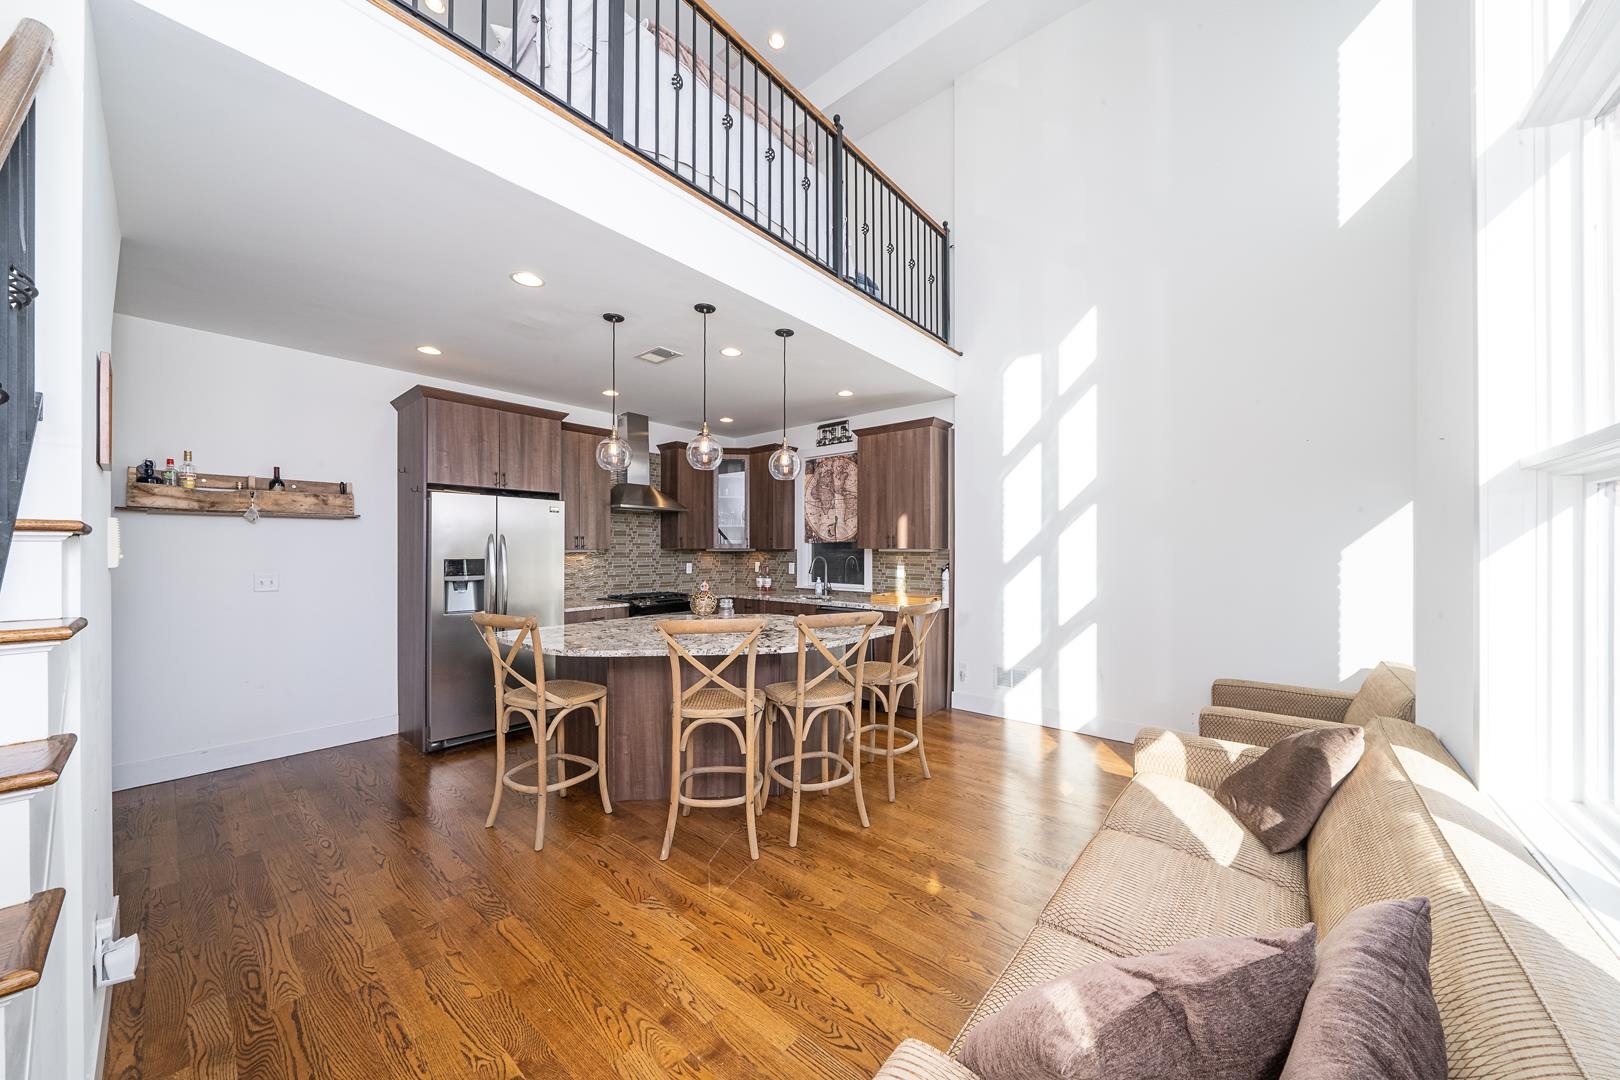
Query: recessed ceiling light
[[846, 393], [731, 350], [436, 6], [528, 279], [725, 419], [429, 350], [610, 393], [776, 40]]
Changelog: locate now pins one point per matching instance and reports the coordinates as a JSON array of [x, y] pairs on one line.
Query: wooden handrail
[[27, 766], [23, 60], [25, 939], [41, 633]]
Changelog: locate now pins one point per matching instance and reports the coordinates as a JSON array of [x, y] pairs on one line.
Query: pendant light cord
[[614, 329], [705, 370], [784, 391]]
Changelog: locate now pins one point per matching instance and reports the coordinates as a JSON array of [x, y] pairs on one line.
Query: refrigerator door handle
[[505, 592], [492, 580]]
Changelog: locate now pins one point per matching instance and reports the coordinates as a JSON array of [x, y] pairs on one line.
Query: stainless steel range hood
[[635, 492]]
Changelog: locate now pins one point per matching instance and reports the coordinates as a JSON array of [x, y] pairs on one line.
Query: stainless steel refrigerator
[[496, 553]]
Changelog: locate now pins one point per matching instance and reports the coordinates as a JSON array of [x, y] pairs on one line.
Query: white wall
[[1185, 421], [76, 237], [918, 151], [209, 674]]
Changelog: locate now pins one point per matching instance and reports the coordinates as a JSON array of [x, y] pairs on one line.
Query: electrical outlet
[[266, 583], [792, 569], [688, 568], [961, 673]]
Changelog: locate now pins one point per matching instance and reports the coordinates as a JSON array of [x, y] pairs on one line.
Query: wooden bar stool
[[833, 694], [713, 699], [886, 680], [524, 697]]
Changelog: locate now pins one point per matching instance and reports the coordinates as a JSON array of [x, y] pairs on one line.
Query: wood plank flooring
[[345, 913]]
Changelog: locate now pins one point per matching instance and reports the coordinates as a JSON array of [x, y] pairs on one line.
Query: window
[[1548, 249]]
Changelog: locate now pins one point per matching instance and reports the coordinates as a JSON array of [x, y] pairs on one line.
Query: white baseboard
[[131, 774], [1102, 727]]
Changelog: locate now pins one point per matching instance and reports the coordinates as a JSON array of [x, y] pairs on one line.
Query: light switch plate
[[266, 583]]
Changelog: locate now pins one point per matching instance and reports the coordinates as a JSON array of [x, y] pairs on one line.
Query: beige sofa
[[1526, 987]]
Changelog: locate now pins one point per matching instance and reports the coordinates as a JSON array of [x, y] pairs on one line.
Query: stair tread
[[25, 939], [35, 631], [51, 525], [25, 766]]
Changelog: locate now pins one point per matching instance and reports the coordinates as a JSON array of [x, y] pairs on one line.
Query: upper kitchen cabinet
[[905, 486], [770, 504], [474, 442], [692, 530], [731, 491], [587, 489]]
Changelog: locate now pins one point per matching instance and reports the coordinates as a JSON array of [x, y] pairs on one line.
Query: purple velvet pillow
[[1371, 1011], [1279, 795], [1213, 1008]]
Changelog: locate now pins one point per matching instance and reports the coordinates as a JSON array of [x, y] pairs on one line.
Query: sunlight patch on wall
[[1375, 595], [1021, 504], [1077, 351], [1077, 680], [1077, 448], [1021, 402], [1077, 565], [1021, 615], [1375, 104]]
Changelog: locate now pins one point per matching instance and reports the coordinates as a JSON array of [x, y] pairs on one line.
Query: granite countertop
[[856, 601], [592, 605], [639, 637]]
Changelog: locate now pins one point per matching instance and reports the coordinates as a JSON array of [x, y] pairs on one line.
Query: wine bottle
[[170, 477], [275, 480], [188, 472]]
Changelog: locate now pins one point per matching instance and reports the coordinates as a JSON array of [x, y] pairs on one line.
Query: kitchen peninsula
[[629, 657]]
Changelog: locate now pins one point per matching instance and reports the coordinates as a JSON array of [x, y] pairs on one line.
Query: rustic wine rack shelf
[[222, 493]]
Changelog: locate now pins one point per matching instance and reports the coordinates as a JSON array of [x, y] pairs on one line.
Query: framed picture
[[104, 410]]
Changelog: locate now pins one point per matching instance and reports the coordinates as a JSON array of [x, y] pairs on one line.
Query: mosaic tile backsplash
[[636, 562]]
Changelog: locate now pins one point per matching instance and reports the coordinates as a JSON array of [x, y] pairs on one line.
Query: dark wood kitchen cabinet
[[474, 442], [586, 490], [692, 530], [770, 503], [905, 486]]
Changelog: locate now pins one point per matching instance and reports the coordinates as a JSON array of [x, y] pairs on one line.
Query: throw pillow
[[1280, 794], [1388, 690], [1371, 1011], [1213, 1008]]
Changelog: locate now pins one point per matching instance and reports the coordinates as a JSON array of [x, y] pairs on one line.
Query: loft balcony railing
[[670, 81]]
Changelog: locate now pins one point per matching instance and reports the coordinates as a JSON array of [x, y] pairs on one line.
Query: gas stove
[[652, 603]]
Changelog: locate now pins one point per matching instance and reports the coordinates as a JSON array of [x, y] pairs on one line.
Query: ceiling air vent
[[658, 354]]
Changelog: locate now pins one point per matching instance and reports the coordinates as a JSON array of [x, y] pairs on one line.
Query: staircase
[[36, 752]]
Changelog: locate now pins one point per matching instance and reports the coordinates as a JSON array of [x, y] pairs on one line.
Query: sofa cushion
[[1132, 895], [1524, 984], [1371, 1010], [1388, 690], [1045, 954], [1214, 1008], [1280, 794], [1187, 817]]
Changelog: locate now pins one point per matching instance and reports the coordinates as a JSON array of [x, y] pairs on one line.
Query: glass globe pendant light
[[785, 463], [613, 453], [704, 452]]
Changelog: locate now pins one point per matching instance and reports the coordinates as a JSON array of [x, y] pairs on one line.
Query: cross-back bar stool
[[887, 679], [714, 699], [834, 694], [545, 703]]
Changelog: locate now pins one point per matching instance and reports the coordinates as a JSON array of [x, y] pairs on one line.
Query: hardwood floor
[[344, 913]]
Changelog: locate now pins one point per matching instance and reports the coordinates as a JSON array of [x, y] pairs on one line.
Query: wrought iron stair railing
[[678, 87]]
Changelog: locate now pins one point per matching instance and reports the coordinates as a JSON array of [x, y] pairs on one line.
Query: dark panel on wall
[[18, 413]]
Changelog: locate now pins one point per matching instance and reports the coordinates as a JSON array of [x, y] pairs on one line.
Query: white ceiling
[[266, 210], [819, 34]]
